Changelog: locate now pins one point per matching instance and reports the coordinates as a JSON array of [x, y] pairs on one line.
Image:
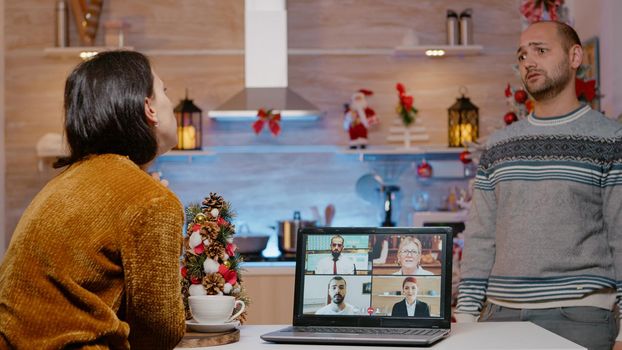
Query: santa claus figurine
[[358, 118]]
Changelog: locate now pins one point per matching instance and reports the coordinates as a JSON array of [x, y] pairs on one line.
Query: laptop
[[388, 286]]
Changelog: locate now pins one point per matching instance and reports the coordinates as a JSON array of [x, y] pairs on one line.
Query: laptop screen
[[373, 276]]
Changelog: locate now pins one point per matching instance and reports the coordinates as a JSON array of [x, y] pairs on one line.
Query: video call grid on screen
[[376, 273]]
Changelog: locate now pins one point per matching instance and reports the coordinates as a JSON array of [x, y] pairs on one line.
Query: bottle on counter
[[466, 27], [452, 200], [452, 28], [62, 24]]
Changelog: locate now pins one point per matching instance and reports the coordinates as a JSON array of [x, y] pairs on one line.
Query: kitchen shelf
[[388, 152], [449, 50], [458, 50], [77, 51]]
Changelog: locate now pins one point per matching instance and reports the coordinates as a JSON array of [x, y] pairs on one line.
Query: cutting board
[[197, 340]]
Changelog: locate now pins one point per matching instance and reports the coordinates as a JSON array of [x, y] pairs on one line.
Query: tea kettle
[[287, 231]]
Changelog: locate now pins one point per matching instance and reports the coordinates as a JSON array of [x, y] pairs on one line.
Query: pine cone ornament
[[214, 201], [184, 287], [213, 283], [210, 230], [242, 317], [188, 313], [208, 241], [215, 250]]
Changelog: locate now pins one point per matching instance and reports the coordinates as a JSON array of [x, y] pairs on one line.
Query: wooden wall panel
[[3, 236], [383, 23], [188, 24], [34, 82]]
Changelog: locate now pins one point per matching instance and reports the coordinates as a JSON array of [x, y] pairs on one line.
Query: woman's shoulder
[[117, 178]]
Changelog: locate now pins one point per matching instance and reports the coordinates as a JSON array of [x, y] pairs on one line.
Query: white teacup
[[214, 309]]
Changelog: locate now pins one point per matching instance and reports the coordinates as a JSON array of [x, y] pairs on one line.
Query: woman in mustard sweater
[[94, 261]]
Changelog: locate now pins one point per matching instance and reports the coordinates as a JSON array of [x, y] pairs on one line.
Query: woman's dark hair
[[105, 108]]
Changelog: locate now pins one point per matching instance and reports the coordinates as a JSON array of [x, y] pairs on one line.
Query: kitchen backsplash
[[267, 187]]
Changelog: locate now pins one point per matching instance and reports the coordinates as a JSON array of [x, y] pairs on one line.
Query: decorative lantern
[[463, 121], [189, 123]]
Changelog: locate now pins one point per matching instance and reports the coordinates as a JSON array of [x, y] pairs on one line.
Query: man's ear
[[576, 56], [150, 112]]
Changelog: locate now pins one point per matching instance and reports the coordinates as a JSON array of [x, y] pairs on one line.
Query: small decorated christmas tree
[[210, 264]]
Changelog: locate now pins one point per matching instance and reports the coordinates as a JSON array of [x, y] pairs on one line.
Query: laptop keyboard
[[365, 330]]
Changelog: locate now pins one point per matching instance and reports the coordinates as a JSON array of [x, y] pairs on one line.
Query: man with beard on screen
[[337, 263], [337, 290]]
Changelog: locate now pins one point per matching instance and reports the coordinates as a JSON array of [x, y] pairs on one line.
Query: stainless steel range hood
[[265, 63]]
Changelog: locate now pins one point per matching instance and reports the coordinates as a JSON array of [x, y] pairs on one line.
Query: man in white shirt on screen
[[337, 263], [337, 294]]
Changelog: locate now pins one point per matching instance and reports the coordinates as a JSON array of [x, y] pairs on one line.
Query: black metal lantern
[[189, 123], [463, 121]]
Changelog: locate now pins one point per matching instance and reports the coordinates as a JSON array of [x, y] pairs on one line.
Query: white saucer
[[211, 327]]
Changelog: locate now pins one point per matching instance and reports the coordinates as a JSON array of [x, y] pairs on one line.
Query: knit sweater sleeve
[[612, 214], [154, 308], [479, 246]]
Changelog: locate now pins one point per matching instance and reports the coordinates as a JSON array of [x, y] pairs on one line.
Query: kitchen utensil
[[329, 214], [287, 231], [466, 27], [452, 28], [368, 186], [215, 309], [250, 243], [316, 214]]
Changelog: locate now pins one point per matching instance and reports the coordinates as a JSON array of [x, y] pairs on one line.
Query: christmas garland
[[210, 264]]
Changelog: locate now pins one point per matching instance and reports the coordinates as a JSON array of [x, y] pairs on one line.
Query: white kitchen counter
[[464, 336]]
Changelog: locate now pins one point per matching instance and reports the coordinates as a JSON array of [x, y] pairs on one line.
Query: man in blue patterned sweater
[[543, 242]]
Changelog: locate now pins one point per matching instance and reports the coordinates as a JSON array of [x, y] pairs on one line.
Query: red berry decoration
[[465, 157], [509, 118], [520, 96], [424, 169]]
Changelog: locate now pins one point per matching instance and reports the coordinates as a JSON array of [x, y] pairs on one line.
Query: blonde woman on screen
[[409, 257]]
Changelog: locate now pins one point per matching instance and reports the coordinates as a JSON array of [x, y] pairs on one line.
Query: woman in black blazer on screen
[[410, 306]]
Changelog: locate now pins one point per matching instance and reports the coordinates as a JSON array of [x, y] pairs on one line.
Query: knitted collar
[[566, 118]]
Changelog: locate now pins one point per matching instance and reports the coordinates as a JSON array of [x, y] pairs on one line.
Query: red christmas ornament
[[508, 90], [270, 118], [222, 222], [184, 272], [509, 118], [585, 89], [520, 96], [230, 276], [230, 249], [529, 105], [195, 280], [465, 157], [198, 250], [424, 169]]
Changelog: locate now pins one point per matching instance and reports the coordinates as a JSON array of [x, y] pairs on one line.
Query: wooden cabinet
[[271, 290]]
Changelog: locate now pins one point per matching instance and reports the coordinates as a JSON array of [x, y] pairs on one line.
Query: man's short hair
[[337, 278], [337, 236], [568, 35]]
